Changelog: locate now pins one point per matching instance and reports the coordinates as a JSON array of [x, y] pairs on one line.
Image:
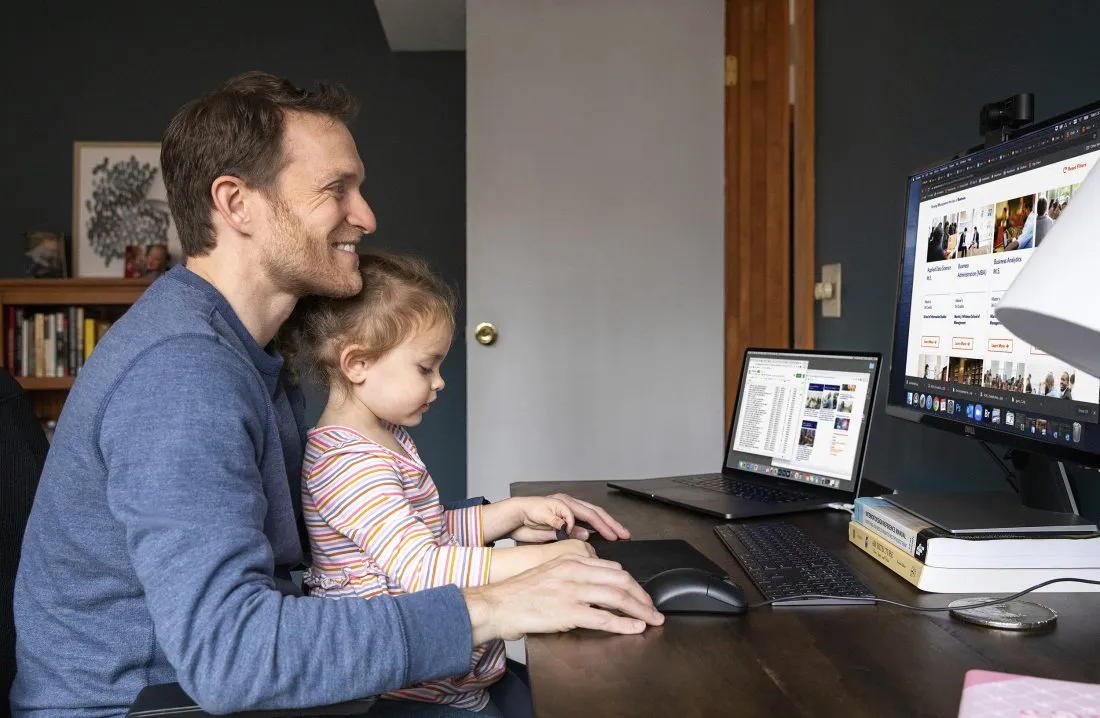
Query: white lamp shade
[[1054, 302]]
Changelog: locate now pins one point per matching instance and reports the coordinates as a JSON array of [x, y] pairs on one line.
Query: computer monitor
[[971, 224]]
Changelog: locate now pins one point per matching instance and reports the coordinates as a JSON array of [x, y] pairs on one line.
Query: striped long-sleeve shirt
[[376, 526]]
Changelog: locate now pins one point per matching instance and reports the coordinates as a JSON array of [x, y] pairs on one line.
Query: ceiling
[[423, 25]]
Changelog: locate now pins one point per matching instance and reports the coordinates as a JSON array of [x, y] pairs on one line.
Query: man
[[1065, 391], [1043, 223], [164, 527], [935, 245]]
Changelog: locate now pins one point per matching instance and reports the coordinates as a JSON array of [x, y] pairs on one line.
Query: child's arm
[[467, 525], [508, 562], [501, 518], [363, 499]]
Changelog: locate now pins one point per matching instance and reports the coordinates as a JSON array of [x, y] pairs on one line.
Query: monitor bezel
[[980, 432]]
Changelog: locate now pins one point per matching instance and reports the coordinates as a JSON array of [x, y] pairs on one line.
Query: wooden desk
[[871, 661]]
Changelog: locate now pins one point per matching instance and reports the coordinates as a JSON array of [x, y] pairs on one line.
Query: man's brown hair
[[236, 130]]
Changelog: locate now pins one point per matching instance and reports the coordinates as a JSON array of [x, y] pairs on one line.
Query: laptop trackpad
[[644, 559]]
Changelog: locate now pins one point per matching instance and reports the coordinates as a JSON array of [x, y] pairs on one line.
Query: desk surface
[[853, 661]]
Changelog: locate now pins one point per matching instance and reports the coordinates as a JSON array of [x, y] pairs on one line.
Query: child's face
[[399, 386]]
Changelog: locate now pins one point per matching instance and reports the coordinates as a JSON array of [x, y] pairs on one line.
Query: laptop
[[796, 441]]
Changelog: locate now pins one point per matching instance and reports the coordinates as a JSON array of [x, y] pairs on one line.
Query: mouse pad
[[644, 559]]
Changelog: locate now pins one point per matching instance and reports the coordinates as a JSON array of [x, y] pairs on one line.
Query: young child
[[375, 522]]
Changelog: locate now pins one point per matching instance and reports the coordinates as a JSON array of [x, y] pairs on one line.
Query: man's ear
[[354, 363], [231, 198]]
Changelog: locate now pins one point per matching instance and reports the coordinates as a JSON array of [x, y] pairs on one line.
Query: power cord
[[1010, 476], [929, 609]]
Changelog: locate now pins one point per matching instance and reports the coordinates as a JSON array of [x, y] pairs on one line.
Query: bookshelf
[[107, 295]]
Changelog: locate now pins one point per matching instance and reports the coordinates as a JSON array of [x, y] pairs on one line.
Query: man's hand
[[569, 547], [558, 596], [591, 514]]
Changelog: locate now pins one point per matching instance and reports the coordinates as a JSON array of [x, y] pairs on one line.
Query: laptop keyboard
[[783, 562], [743, 489]]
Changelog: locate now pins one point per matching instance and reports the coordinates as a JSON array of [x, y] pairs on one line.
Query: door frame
[[769, 152]]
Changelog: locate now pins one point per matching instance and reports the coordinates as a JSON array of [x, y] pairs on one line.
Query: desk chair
[[23, 448]]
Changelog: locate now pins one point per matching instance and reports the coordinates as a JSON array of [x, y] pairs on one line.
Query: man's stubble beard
[[303, 265]]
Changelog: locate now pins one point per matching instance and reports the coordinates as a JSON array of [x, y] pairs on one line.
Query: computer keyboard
[[743, 489], [783, 561]]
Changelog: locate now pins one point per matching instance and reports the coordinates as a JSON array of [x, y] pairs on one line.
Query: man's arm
[[181, 437], [560, 595]]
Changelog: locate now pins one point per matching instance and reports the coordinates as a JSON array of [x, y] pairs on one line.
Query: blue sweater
[[165, 512]]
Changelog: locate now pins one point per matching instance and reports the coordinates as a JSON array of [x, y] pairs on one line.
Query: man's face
[[1063, 382], [317, 215]]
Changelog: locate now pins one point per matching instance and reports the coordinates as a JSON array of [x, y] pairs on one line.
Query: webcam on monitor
[[998, 119]]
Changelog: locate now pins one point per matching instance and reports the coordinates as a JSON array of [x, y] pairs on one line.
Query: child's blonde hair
[[400, 296]]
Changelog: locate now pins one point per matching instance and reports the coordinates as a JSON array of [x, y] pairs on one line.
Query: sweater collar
[[267, 359]]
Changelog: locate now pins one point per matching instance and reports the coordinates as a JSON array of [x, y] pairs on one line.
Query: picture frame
[[119, 200], [45, 255]]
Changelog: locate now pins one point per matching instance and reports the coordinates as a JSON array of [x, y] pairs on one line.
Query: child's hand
[[541, 518]]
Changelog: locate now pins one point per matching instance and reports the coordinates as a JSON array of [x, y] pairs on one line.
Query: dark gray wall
[[118, 71], [899, 85]]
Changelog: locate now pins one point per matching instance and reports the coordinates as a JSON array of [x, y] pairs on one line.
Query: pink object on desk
[[987, 694]]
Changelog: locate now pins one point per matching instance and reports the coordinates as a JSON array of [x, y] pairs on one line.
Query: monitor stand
[[1046, 503]]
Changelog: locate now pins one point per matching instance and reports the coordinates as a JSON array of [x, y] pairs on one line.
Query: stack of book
[[937, 561]]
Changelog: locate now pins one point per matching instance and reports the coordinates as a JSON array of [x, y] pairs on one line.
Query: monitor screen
[[803, 416], [971, 224]]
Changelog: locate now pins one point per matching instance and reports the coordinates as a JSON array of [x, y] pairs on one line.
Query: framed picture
[[119, 201], [147, 261], [45, 255]]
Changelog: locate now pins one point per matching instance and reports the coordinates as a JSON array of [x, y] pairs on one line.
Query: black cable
[[864, 599], [1010, 477]]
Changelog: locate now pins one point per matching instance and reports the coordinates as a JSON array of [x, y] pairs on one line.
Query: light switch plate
[[831, 307]]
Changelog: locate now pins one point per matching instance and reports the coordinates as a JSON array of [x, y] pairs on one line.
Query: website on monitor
[[971, 244]]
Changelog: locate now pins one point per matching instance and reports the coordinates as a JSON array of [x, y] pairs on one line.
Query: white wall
[[597, 125]]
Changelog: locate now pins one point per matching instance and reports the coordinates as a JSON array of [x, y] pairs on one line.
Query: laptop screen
[[803, 416]]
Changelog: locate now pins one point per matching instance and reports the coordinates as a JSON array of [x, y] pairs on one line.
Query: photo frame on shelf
[[46, 255], [119, 201]]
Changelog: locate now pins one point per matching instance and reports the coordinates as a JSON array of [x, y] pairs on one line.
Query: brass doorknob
[[485, 333]]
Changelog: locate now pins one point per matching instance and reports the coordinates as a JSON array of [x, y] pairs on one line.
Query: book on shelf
[[51, 343], [935, 579], [936, 547]]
